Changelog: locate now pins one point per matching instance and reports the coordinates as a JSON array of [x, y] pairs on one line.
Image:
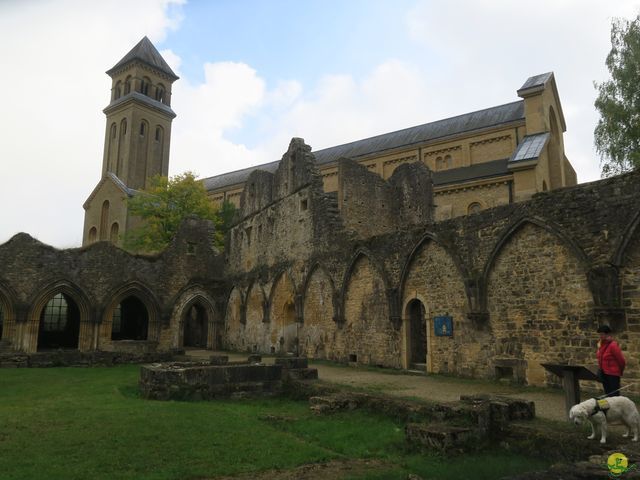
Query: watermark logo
[[618, 465]]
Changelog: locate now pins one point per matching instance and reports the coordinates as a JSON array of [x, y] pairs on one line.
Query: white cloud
[[494, 45], [206, 111]]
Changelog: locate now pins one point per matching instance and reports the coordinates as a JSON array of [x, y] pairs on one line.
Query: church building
[[479, 160]]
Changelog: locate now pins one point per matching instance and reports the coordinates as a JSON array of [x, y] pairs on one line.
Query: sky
[[255, 73]]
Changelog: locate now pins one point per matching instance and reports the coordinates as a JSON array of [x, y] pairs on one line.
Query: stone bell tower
[[137, 139]]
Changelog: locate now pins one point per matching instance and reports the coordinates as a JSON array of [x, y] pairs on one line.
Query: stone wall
[[98, 277], [524, 283]]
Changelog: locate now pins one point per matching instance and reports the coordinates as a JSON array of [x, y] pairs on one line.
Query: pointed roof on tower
[[146, 53]]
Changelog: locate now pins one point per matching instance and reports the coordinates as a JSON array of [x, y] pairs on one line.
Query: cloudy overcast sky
[[256, 73]]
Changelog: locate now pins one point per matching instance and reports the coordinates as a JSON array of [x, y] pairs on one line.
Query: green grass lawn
[[89, 423]]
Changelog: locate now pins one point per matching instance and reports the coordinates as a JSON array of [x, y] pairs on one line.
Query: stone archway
[[59, 324], [130, 320], [417, 323], [196, 326]]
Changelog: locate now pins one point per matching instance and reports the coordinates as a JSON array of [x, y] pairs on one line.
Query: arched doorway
[[59, 324], [195, 327], [289, 338], [417, 334], [130, 320]]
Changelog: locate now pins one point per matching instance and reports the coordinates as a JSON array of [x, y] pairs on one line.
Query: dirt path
[[549, 402]]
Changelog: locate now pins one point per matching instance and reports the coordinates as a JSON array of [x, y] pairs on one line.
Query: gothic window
[[127, 85], [474, 207], [113, 236], [55, 314], [142, 129], [116, 320], [158, 134], [124, 127], [117, 91], [93, 234]]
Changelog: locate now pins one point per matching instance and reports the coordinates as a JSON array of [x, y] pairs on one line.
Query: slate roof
[[145, 52], [530, 147], [114, 178], [407, 137], [494, 168]]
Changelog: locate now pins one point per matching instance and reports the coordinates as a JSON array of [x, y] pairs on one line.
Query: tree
[[617, 135], [165, 204]]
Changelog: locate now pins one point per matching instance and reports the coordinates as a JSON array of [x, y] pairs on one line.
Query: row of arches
[[61, 318], [534, 294], [142, 85]]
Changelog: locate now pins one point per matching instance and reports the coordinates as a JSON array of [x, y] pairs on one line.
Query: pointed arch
[[8, 302], [550, 227], [537, 289], [621, 248], [366, 309], [130, 290], [317, 267], [204, 329], [256, 286], [283, 314], [319, 307], [362, 252], [38, 302], [429, 237]]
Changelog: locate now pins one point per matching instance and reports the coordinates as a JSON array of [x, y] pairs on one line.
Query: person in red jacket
[[611, 361]]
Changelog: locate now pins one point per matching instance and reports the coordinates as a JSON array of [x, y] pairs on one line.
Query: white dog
[[611, 410]]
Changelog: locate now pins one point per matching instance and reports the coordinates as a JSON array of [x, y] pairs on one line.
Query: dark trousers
[[611, 383]]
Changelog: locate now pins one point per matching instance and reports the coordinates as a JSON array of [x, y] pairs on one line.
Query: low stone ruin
[[220, 378], [444, 427]]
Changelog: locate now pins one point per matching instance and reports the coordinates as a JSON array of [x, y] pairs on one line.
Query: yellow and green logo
[[618, 464]]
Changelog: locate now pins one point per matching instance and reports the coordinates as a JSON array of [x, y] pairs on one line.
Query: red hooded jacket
[[610, 358]]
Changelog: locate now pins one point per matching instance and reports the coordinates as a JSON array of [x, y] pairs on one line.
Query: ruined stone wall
[[319, 336], [368, 335], [539, 304], [98, 277], [524, 283]]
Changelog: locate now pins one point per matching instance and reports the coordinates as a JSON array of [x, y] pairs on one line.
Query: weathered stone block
[[439, 437]]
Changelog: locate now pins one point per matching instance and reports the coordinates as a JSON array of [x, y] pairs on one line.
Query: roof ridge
[[326, 152]]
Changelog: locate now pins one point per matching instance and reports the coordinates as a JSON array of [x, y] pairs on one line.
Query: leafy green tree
[[163, 206], [617, 135]]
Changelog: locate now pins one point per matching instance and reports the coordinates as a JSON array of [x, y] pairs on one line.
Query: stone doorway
[[417, 335], [196, 327], [59, 326]]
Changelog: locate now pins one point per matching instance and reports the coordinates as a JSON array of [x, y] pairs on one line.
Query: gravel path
[[549, 402]]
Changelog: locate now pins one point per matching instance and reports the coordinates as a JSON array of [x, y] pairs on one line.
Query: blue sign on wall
[[443, 326]]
